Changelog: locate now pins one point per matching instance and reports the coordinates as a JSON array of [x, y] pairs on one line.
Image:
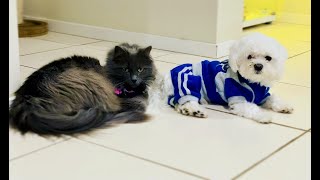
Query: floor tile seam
[[250, 168], [69, 46], [37, 150], [145, 159], [278, 124]]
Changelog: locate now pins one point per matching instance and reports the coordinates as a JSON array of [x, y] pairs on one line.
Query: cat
[[76, 94]]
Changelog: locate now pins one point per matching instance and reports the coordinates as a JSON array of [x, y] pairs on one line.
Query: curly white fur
[[258, 47]]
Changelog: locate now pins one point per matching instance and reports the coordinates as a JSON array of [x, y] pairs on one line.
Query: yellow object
[[255, 9]]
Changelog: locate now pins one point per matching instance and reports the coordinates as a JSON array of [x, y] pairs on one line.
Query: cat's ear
[[146, 51], [118, 51]]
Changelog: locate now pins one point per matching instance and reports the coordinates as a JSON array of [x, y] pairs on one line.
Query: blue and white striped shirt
[[215, 82]]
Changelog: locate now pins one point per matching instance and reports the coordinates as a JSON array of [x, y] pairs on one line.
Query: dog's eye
[[249, 57], [268, 58], [140, 69]]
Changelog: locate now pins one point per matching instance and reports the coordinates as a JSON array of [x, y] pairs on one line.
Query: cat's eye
[[140, 69], [249, 57], [126, 69], [268, 58]]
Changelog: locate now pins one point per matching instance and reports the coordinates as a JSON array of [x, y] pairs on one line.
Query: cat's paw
[[191, 108]]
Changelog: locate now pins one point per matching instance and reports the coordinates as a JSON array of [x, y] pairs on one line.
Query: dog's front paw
[[282, 108], [191, 108], [264, 118], [251, 111], [276, 104]]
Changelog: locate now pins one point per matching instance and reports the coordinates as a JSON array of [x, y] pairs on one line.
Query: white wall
[[14, 65], [201, 27], [229, 20]]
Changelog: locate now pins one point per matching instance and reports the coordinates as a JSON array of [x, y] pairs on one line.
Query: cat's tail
[[24, 117]]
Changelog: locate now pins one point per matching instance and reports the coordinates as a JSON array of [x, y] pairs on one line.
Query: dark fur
[[76, 94]]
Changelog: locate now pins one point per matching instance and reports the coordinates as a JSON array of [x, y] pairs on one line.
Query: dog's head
[[258, 58]]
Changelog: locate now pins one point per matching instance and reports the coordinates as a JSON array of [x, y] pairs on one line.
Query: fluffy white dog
[[242, 82]]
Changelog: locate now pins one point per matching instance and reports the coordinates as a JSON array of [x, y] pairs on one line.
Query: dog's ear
[[234, 55]]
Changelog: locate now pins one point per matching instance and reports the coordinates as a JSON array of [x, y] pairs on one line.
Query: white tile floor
[[172, 146]]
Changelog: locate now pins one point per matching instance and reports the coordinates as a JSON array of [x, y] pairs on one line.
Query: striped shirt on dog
[[215, 82]]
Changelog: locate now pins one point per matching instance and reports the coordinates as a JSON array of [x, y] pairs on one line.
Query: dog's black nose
[[258, 67]]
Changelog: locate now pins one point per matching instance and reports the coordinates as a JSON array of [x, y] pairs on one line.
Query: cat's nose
[[134, 78]]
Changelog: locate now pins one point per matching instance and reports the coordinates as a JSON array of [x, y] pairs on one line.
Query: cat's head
[[130, 66]]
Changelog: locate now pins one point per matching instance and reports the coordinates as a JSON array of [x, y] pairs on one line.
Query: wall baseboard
[[304, 19], [158, 42]]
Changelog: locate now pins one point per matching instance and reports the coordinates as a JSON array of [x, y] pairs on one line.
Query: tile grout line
[[78, 36], [284, 22], [45, 147], [119, 43], [100, 40], [66, 43], [249, 119], [161, 55], [288, 126], [69, 46], [28, 67], [268, 156], [294, 84], [298, 54], [148, 160], [47, 50], [165, 61]]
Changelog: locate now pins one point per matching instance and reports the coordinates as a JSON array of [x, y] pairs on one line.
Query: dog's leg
[[274, 103], [251, 111], [191, 108]]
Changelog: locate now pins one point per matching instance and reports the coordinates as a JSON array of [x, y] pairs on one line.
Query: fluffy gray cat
[[77, 94]]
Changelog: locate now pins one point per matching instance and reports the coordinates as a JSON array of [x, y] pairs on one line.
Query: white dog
[[242, 82]]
